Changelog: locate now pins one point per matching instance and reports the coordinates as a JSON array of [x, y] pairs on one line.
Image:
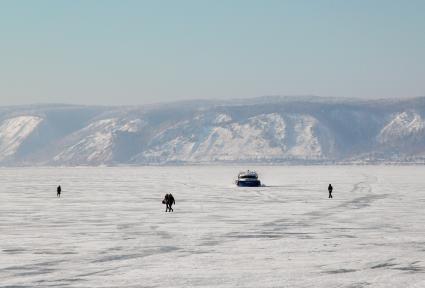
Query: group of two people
[[169, 201]]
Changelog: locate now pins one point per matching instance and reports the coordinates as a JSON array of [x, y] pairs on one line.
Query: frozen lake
[[109, 229]]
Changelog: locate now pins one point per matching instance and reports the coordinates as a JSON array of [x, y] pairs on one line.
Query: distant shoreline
[[278, 164]]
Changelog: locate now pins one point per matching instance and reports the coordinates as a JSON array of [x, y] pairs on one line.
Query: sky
[[137, 52]]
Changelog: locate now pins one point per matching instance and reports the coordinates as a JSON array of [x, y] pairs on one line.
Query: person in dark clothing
[[58, 191], [330, 188], [168, 201], [171, 201], [165, 201]]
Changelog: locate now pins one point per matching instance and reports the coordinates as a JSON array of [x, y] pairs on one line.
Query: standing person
[[165, 201], [58, 191], [330, 188], [171, 201]]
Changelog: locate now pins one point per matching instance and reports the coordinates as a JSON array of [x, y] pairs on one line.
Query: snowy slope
[[404, 125], [262, 137], [14, 131], [276, 129], [94, 144]]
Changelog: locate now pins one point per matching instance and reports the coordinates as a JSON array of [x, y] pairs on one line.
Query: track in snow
[[109, 229]]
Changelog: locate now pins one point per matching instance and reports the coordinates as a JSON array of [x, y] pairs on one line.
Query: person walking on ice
[[58, 191], [165, 201], [169, 201], [330, 188]]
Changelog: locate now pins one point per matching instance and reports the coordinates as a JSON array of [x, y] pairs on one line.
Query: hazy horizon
[[225, 100], [147, 52]]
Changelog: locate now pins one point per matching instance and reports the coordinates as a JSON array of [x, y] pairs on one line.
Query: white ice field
[[109, 229]]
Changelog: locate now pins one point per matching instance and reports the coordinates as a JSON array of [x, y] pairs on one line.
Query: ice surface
[[109, 229]]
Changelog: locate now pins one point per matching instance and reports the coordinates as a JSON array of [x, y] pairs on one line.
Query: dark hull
[[254, 183]]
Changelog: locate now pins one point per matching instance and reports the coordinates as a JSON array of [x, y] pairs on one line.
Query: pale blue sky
[[136, 52]]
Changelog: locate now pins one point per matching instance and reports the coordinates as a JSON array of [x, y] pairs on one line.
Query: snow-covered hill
[[94, 143], [275, 129], [402, 127], [258, 138], [14, 131]]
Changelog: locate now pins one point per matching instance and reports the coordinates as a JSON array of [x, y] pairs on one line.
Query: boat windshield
[[248, 176]]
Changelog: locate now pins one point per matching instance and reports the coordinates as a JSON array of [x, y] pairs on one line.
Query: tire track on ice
[[285, 226]]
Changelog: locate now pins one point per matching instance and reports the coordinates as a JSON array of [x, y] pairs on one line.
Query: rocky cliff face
[[277, 129]]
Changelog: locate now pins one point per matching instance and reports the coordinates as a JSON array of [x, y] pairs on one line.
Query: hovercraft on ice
[[248, 179]]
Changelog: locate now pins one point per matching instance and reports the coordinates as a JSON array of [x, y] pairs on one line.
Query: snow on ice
[[109, 229]]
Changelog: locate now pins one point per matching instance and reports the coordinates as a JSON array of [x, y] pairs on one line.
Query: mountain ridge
[[274, 129]]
